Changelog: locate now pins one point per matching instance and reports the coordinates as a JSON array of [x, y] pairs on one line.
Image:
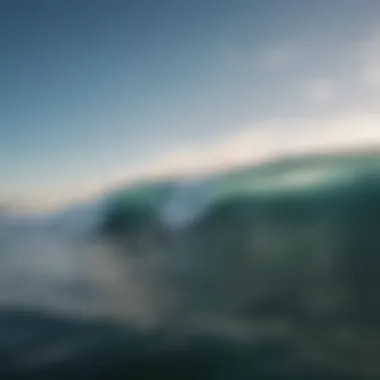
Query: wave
[[259, 272]]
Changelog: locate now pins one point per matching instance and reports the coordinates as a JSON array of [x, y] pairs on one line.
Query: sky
[[93, 92]]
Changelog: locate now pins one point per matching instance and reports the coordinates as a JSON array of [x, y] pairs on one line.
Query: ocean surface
[[213, 284]]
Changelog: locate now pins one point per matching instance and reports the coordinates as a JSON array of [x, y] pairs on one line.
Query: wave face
[[260, 272]]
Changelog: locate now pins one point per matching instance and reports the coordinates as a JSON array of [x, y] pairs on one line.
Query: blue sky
[[92, 91]]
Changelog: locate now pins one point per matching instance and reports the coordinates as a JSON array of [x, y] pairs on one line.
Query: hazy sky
[[94, 90]]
